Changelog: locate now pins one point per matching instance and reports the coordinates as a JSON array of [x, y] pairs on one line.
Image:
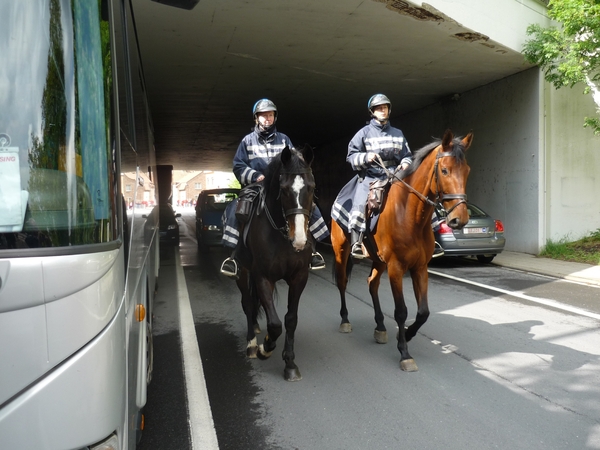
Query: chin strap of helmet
[[265, 130]]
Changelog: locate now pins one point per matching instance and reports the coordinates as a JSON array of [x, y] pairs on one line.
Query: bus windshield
[[57, 181]]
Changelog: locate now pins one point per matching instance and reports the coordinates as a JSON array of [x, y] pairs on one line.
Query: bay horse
[[278, 247], [403, 238]]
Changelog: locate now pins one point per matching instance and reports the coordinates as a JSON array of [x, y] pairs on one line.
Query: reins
[[440, 197]]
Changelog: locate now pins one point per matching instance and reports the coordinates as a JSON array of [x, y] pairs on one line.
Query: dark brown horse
[[403, 239], [277, 247]]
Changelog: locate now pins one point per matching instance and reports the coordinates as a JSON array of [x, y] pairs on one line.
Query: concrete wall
[[504, 159], [533, 165], [503, 21], [572, 165]]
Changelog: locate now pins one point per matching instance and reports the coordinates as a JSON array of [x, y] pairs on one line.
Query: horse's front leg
[[395, 272], [296, 287], [420, 280], [265, 290], [250, 306], [374, 280]]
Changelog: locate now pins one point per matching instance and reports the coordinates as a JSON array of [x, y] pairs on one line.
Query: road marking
[[539, 300], [202, 427]]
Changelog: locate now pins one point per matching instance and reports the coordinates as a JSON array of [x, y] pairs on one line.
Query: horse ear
[[468, 140], [308, 154], [286, 155], [447, 139]]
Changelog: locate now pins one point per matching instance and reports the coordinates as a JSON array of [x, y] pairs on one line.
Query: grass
[[585, 250]]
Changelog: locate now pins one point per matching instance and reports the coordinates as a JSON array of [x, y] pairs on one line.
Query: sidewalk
[[582, 273]]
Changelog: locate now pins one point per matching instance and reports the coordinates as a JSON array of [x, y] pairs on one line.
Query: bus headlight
[[110, 443]]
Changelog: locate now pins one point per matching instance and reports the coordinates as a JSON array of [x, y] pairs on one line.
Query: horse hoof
[[345, 328], [408, 365], [251, 352], [257, 329], [262, 354], [380, 337], [251, 349], [292, 374]]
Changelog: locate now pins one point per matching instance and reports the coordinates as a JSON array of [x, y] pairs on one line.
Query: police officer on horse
[[377, 141], [253, 155]]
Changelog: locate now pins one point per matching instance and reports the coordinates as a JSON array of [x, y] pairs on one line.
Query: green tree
[[570, 53]]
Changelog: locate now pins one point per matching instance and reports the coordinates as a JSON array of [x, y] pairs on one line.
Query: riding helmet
[[264, 105], [379, 99]]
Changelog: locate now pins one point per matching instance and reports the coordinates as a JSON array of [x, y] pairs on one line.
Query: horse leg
[[250, 306], [274, 327], [291, 371], [420, 279], [407, 363], [374, 280], [341, 250]]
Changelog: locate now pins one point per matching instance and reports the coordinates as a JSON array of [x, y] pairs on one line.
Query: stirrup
[[317, 262], [229, 268], [437, 250], [358, 251]]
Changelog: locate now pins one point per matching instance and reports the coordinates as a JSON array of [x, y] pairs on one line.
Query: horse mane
[[418, 156]]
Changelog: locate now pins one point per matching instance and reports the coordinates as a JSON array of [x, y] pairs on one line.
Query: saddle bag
[[243, 209], [377, 190]]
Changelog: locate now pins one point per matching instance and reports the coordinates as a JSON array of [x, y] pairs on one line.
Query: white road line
[[202, 427], [541, 301]]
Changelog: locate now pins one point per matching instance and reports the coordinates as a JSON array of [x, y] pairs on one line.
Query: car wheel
[[485, 259]]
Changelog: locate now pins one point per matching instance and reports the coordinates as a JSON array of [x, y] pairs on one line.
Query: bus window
[[57, 181]]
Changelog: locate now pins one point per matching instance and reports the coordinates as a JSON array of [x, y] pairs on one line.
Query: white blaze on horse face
[[299, 219]]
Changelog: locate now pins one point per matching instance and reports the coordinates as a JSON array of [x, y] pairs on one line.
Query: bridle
[[285, 212], [440, 197]]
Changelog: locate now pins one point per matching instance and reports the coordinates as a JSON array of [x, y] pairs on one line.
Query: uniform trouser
[[358, 220], [231, 235], [349, 207]]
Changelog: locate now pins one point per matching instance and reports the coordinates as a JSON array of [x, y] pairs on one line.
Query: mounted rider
[[377, 139], [252, 157]]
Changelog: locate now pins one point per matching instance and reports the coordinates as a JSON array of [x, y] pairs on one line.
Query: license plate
[[475, 230]]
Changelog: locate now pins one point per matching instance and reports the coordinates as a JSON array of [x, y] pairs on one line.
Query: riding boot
[[230, 267], [357, 250]]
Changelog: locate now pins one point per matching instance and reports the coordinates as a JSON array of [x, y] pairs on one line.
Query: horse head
[[450, 178], [296, 191]]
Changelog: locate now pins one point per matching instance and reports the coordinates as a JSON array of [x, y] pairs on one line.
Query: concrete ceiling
[[318, 60]]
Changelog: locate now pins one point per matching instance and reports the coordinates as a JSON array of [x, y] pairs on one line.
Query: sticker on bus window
[[13, 201]]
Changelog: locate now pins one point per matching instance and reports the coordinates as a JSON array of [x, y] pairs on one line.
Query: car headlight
[[171, 227], [213, 228]]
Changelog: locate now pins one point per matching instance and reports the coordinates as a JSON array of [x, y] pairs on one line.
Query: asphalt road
[[495, 370]]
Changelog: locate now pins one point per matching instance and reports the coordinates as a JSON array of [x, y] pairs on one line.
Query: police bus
[[78, 262]]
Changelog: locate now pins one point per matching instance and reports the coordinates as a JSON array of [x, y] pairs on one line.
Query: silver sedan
[[482, 236]]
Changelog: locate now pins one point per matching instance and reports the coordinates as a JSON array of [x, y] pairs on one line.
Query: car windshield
[[219, 201], [474, 211], [165, 211]]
